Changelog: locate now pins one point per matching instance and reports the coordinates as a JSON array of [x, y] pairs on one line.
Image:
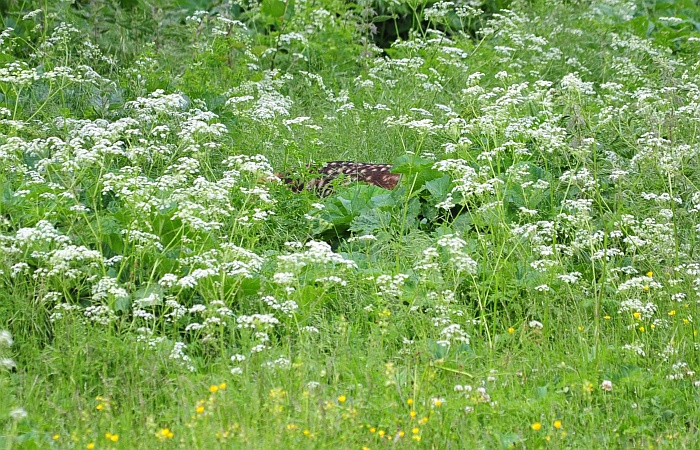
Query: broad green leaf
[[411, 164], [122, 304], [369, 221], [439, 187], [277, 8]]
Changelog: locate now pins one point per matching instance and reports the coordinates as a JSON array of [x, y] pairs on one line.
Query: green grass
[[533, 281]]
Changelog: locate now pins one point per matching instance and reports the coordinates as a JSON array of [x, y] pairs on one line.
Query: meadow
[[532, 282]]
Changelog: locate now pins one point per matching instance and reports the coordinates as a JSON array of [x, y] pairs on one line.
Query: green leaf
[[462, 222], [439, 187], [278, 8], [274, 8], [122, 304], [250, 286], [112, 241], [436, 350], [369, 221], [382, 18], [541, 391], [411, 164], [413, 210], [258, 50], [382, 200]]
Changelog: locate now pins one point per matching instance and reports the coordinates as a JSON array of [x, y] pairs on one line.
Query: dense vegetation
[[533, 281]]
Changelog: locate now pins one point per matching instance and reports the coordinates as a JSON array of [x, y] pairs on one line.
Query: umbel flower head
[[5, 338]]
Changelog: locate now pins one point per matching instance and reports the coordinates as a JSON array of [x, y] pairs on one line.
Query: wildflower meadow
[[532, 281]]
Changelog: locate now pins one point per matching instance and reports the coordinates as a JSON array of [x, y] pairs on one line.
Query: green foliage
[[364, 209], [669, 23]]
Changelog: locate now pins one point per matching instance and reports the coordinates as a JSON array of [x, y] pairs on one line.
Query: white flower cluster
[[261, 101], [6, 342], [178, 354], [390, 286], [258, 321], [316, 253], [288, 307], [634, 305]]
